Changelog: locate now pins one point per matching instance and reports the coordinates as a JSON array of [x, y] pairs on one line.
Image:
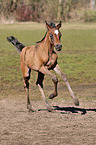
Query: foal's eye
[[51, 36]]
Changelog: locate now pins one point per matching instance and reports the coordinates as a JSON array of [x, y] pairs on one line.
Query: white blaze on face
[[56, 32]]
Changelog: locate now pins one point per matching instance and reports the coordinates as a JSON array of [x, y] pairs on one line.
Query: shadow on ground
[[65, 110]]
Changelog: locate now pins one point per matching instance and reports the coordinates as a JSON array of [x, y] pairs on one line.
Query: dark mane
[[52, 26]]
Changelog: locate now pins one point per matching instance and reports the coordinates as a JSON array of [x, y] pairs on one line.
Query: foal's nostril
[[58, 47]]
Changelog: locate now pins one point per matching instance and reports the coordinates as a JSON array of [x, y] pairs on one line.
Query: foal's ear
[[47, 25], [59, 25]]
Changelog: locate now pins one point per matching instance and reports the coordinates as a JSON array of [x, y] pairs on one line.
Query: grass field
[[77, 58]]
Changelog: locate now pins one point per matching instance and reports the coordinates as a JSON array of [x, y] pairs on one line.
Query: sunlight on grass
[[77, 59]]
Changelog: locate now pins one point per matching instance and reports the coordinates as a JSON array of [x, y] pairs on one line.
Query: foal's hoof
[[52, 96], [50, 109], [76, 101], [31, 110]]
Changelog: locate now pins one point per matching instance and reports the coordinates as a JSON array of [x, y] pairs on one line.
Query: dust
[[69, 125]]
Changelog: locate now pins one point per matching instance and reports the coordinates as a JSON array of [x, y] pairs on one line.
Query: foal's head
[[54, 35]]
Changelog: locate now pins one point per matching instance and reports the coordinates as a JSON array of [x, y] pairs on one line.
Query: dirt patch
[[69, 125]]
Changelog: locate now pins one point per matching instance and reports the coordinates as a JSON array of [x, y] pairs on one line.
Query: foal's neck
[[46, 46]]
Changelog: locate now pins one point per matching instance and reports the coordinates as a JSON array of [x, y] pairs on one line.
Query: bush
[[37, 11], [90, 16], [24, 13]]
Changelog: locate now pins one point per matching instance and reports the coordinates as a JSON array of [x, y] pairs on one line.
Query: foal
[[42, 58]]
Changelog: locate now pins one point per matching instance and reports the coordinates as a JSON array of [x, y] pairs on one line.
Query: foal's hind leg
[[26, 76], [64, 77]]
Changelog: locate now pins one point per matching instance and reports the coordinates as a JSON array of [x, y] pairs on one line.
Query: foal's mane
[[52, 26]]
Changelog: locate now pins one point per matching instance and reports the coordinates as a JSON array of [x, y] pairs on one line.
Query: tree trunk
[[92, 4], [59, 10]]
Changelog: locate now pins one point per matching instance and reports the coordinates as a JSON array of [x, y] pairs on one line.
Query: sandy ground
[[69, 125]]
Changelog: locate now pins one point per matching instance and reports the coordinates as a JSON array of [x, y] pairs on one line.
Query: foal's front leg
[[43, 70], [39, 83], [64, 77]]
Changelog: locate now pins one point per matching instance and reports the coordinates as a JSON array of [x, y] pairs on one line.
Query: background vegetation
[[51, 10]]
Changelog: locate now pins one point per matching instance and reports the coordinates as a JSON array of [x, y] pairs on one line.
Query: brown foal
[[42, 58]]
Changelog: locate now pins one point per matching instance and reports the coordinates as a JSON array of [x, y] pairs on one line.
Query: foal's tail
[[19, 46]]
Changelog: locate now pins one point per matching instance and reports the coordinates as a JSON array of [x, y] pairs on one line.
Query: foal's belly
[[33, 59]]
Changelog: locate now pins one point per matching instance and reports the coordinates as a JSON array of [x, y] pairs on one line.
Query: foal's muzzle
[[58, 47]]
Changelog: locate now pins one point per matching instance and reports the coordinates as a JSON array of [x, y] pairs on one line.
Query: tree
[[92, 3]]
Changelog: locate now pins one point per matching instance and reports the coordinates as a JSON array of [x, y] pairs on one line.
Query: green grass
[[77, 58]]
